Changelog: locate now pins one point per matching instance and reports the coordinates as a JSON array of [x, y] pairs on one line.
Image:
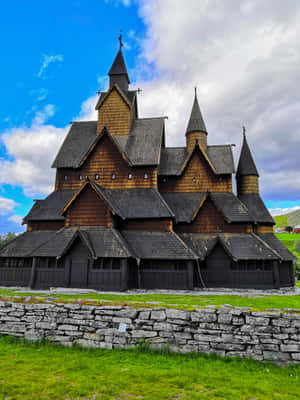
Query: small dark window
[[80, 177], [145, 175], [194, 180], [66, 177], [113, 176], [129, 176], [164, 180], [96, 176]]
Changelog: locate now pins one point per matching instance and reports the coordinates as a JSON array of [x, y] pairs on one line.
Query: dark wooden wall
[[204, 179], [45, 225], [209, 219], [165, 224], [88, 209], [104, 161]]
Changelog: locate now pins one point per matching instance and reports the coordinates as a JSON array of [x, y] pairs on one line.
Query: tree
[[289, 229], [4, 239]]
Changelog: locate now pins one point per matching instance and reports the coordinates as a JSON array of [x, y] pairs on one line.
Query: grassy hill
[[290, 219]]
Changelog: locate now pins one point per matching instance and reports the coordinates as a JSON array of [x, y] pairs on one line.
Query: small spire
[[196, 122], [246, 164], [118, 71]]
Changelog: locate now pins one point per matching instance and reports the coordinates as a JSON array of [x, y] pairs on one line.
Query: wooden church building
[[129, 212]]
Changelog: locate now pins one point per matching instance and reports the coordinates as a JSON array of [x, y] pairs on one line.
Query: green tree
[[7, 238]]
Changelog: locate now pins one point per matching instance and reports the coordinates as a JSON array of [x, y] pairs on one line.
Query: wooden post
[[190, 274], [124, 274], [87, 274], [276, 274], [33, 273], [68, 264]]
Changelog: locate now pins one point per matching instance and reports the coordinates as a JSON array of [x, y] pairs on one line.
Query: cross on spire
[[120, 39]]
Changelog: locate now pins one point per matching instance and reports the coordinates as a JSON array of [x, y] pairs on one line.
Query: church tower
[[196, 129], [247, 175]]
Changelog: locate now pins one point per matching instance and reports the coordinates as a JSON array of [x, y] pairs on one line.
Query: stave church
[[127, 212]]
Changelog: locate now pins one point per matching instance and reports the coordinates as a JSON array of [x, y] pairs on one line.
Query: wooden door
[[79, 258]]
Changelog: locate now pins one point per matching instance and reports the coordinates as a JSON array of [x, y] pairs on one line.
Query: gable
[[210, 219], [197, 176], [114, 113], [103, 161], [88, 209]]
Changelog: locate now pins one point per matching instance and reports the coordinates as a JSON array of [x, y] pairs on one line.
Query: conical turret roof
[[246, 163], [196, 122], [119, 67]]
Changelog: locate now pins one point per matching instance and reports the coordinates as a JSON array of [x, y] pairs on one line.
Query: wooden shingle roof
[[157, 245], [49, 209], [173, 158], [196, 121], [246, 165], [257, 208]]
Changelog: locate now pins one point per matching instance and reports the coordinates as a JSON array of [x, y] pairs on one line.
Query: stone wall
[[271, 335]]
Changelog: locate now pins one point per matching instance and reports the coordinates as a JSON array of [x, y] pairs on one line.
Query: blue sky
[[76, 42], [56, 55]]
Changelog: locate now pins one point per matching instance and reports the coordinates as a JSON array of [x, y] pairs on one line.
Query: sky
[[244, 58]]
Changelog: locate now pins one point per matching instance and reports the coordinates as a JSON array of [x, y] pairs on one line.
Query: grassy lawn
[[175, 301], [41, 371], [288, 239]]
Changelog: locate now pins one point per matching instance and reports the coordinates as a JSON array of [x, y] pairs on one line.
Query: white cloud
[[46, 61], [17, 219], [245, 61], [6, 205], [33, 149], [281, 211]]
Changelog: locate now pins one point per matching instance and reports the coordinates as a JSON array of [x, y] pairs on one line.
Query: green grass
[[281, 221], [288, 239], [42, 371], [177, 301]]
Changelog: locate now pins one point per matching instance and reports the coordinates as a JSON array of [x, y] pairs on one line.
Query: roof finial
[[195, 91], [120, 39], [244, 131]]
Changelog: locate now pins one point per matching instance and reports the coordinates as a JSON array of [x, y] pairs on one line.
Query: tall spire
[[246, 163], [118, 72], [196, 122]]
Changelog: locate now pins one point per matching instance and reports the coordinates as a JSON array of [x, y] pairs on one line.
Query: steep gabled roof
[[278, 246], [107, 242], [221, 158], [200, 243], [24, 244], [232, 209], [137, 203], [173, 158], [246, 247], [78, 141], [115, 87], [49, 209], [145, 140], [130, 94], [157, 245], [119, 67], [196, 122], [246, 164], [184, 205], [197, 149], [257, 208]]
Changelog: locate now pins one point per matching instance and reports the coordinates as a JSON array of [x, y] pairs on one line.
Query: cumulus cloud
[[46, 61], [17, 219], [32, 149], [6, 205], [245, 61]]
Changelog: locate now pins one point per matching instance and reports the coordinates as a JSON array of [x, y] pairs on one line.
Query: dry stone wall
[[271, 335]]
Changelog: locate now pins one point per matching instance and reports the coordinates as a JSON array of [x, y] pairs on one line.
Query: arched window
[[80, 177], [129, 176], [66, 177], [96, 176], [145, 175], [113, 177]]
